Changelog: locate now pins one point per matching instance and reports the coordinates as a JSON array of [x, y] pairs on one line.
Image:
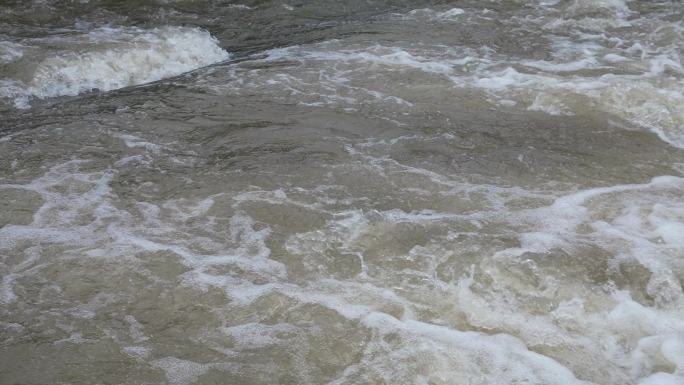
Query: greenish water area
[[341, 192]]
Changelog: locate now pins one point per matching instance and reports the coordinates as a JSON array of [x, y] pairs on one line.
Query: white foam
[[583, 63], [430, 14], [627, 78], [10, 52], [451, 13], [508, 359], [181, 372], [632, 342], [79, 214], [440, 353], [617, 8], [625, 74], [629, 335], [240, 6], [137, 352], [560, 220], [389, 56], [661, 378], [133, 141], [136, 329], [255, 335], [639, 223], [112, 58]]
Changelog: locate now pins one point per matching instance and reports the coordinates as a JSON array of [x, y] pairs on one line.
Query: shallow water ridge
[[342, 192]]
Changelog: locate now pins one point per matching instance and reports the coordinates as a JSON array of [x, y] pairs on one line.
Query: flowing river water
[[341, 192]]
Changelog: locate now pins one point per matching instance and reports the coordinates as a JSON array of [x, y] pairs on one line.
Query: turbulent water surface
[[341, 192]]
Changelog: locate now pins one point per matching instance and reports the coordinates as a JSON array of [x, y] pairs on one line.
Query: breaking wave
[[111, 58]]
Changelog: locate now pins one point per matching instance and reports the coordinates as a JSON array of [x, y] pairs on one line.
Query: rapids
[[342, 192]]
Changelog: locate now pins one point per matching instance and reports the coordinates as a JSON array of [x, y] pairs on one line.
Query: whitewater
[[323, 192]]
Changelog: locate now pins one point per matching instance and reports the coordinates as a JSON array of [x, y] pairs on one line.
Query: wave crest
[[111, 58]]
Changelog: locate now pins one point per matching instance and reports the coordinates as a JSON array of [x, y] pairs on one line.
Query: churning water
[[341, 192]]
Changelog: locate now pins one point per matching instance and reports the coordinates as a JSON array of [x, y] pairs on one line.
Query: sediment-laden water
[[341, 192]]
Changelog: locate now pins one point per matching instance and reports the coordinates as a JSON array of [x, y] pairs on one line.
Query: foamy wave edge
[[116, 58]]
